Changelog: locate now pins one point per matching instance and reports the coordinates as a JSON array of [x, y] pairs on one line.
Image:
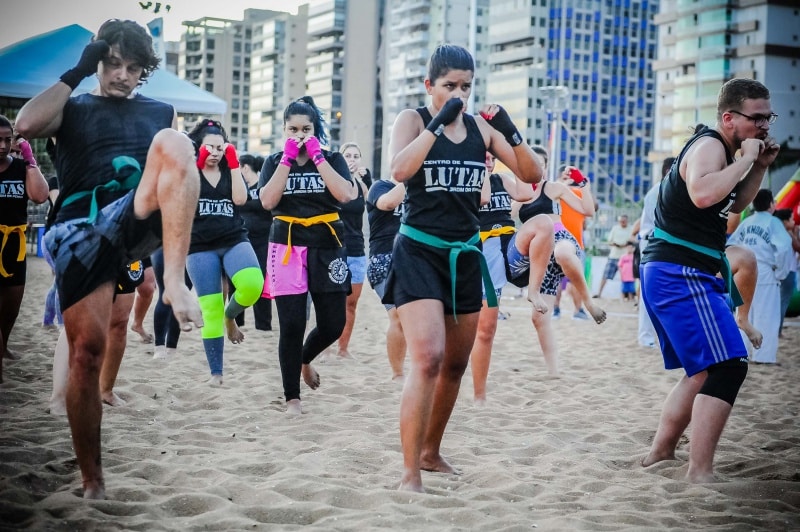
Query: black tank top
[[541, 205], [679, 216], [496, 213], [217, 223], [444, 196]]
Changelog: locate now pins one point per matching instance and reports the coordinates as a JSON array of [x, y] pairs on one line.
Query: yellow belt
[[7, 230], [505, 230], [305, 222]]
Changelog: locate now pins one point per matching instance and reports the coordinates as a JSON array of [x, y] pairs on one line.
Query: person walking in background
[[142, 300], [352, 214], [384, 210], [618, 239], [258, 223], [304, 187], [766, 236], [128, 183], [789, 283], [439, 151], [686, 301], [625, 266], [166, 329], [20, 181], [219, 244]]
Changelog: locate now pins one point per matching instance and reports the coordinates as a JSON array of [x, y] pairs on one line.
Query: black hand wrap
[[87, 65], [446, 115], [502, 123]]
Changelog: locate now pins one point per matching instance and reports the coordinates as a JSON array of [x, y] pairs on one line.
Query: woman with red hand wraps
[[304, 187], [219, 243], [435, 281]]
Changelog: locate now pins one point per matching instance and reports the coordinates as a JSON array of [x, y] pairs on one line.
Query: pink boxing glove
[[290, 152], [26, 152], [231, 157], [202, 155], [314, 151]]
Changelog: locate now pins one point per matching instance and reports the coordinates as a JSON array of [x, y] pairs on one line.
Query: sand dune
[[547, 454]]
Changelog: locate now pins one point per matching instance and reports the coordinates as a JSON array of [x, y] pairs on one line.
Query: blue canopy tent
[[32, 65]]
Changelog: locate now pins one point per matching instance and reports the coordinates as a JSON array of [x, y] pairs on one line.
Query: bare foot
[[144, 336], [160, 352], [598, 314], [94, 489], [215, 380], [294, 407], [479, 401], [696, 477], [184, 306], [234, 334], [653, 458], [411, 481], [310, 376], [58, 408], [437, 464], [538, 303], [753, 334], [399, 379], [112, 399], [344, 353]]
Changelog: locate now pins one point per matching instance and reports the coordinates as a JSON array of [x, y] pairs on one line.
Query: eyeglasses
[[758, 120]]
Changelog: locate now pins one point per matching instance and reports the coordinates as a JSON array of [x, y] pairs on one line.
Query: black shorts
[[420, 271], [15, 270], [130, 277], [87, 256]]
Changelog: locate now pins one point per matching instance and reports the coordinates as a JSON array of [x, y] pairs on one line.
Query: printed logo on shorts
[[337, 271], [135, 271]]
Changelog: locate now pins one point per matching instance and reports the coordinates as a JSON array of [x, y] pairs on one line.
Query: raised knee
[[171, 144]]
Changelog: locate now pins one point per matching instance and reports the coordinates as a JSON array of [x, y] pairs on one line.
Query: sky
[[27, 18]]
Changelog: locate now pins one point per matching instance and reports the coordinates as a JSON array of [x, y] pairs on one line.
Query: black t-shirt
[[217, 222], [13, 194], [94, 131], [305, 196], [257, 219], [383, 225], [352, 214], [496, 213], [679, 216], [541, 205], [444, 196]]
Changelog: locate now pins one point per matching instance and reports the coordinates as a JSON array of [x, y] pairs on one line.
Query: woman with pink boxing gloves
[[20, 180], [304, 187], [219, 243]]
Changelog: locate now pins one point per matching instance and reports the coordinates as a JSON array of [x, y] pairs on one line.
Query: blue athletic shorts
[[493, 251], [689, 311], [358, 268]]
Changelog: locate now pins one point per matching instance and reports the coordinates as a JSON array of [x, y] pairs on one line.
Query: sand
[[546, 454]]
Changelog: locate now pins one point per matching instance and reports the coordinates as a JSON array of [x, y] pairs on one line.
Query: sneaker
[[556, 313], [580, 315]]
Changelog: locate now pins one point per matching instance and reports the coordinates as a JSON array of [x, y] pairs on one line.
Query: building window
[[210, 87], [210, 44]]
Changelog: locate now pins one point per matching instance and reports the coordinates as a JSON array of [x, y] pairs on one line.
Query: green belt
[[129, 183], [727, 275], [455, 248]]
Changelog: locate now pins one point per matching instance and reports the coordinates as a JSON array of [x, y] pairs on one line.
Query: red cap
[[576, 176]]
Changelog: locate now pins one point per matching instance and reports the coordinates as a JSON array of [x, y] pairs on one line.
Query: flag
[[156, 27]]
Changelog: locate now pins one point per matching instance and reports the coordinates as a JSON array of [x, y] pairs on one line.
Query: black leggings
[[166, 329], [329, 310]]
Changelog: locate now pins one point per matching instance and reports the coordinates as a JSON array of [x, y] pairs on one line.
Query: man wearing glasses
[[685, 299]]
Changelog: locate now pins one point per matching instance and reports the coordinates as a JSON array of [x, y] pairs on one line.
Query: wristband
[[515, 139], [286, 161], [318, 159], [72, 78], [438, 131]]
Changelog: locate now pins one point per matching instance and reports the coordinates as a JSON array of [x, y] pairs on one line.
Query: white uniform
[[765, 235], [647, 334]]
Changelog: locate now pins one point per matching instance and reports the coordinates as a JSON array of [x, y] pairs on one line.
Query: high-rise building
[[703, 45], [215, 56], [412, 29], [586, 63], [277, 75]]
